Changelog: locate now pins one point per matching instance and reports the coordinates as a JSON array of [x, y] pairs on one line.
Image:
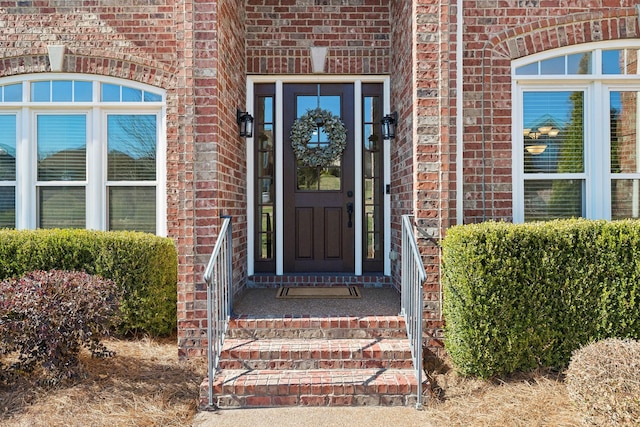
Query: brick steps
[[316, 354], [314, 361]]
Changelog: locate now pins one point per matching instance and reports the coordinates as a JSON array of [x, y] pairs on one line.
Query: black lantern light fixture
[[245, 123], [388, 124]]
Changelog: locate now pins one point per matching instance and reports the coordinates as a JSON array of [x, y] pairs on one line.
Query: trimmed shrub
[[518, 297], [47, 317], [144, 267], [603, 382]]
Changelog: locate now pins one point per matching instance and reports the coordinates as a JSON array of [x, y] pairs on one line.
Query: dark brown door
[[318, 200]]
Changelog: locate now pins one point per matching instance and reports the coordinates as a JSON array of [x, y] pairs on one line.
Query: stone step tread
[[315, 382]]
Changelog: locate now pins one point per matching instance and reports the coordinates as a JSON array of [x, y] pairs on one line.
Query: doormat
[[318, 292]]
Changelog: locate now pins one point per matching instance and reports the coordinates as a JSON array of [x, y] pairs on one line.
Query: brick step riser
[[320, 354], [346, 333], [315, 364], [295, 389], [233, 401]]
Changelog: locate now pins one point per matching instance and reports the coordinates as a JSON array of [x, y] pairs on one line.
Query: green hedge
[[517, 297], [143, 265]]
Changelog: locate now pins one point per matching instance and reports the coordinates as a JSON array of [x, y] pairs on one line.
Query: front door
[[318, 201]]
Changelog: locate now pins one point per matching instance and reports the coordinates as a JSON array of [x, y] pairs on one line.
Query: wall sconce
[[388, 124], [245, 123]]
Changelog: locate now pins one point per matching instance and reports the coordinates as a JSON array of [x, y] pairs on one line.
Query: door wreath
[[302, 131]]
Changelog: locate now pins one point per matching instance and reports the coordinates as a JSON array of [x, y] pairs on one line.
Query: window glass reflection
[[553, 132], [552, 66], [8, 147], [110, 93], [579, 63], [62, 90], [83, 91], [40, 91], [132, 143], [130, 94], [13, 93], [7, 207], [612, 61], [132, 209], [152, 97], [62, 144], [61, 207]]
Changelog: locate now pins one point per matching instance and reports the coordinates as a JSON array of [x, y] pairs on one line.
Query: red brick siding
[[402, 101], [220, 178], [281, 32]]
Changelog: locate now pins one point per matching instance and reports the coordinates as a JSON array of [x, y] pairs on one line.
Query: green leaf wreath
[[302, 131]]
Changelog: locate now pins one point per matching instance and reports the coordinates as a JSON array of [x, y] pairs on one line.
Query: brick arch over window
[[564, 31], [134, 69]]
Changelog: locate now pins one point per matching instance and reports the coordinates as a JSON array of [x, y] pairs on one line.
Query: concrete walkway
[[315, 417]]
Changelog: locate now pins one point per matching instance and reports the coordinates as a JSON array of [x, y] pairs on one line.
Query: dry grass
[[145, 385], [536, 399]]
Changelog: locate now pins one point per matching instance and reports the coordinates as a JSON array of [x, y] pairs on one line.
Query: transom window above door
[[80, 152], [576, 150]]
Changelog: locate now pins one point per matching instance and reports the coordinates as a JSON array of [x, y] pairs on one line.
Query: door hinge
[[387, 189]]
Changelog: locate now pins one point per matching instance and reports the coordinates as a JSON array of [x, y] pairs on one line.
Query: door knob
[[350, 213]]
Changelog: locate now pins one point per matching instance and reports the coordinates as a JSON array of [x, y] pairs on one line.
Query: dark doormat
[[318, 292]]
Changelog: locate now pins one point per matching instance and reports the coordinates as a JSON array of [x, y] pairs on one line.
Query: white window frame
[[597, 156], [96, 179]]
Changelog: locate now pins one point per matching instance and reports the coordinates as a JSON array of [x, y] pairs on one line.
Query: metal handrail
[[413, 276], [218, 276]]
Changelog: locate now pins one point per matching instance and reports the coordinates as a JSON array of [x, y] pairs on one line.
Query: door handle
[[350, 213]]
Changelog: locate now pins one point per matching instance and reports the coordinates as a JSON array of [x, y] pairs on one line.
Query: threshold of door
[[319, 279]]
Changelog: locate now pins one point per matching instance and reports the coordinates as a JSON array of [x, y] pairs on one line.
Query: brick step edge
[[305, 322], [316, 354], [267, 388], [307, 364], [234, 402], [346, 333]]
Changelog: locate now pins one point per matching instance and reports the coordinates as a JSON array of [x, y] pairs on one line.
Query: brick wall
[[280, 34], [402, 101], [431, 141], [219, 181]]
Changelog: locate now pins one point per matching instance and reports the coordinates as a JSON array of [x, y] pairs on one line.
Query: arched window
[[576, 146], [77, 151]]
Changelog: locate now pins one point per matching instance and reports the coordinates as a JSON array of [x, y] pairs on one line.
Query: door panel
[[333, 233], [315, 199], [304, 233]]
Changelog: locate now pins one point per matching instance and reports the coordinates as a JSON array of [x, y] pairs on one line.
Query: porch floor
[[263, 303]]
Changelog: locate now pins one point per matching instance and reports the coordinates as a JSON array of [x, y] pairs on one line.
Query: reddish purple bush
[[46, 317]]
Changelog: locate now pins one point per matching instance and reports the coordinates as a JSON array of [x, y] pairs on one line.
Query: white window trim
[[279, 81], [597, 157], [96, 112]]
